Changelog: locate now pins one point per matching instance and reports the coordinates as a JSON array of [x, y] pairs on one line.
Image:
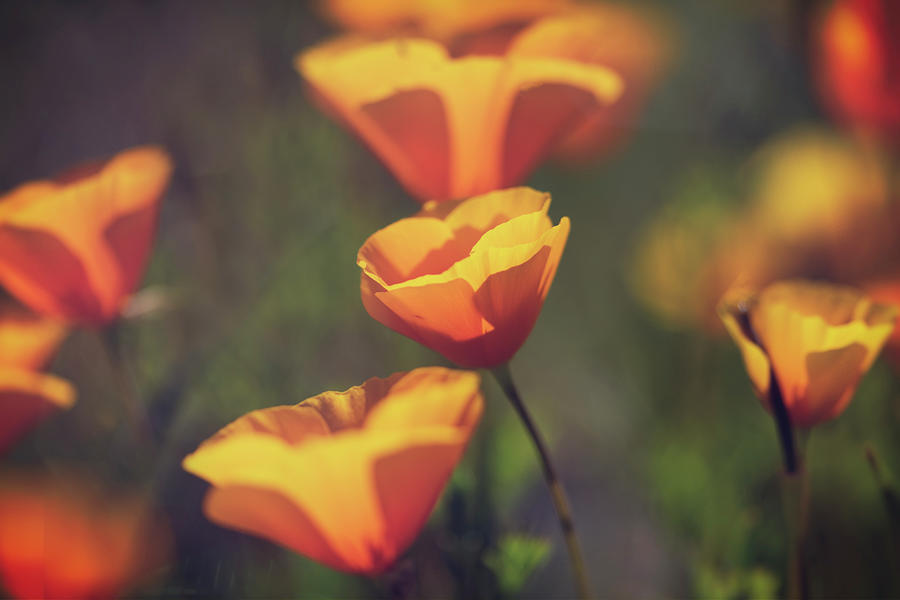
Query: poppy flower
[[632, 43], [816, 339], [27, 340], [74, 248], [345, 478], [441, 19], [71, 540], [857, 56], [465, 278], [450, 128], [26, 398]]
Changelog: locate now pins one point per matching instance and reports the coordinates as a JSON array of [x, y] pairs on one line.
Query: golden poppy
[[71, 540], [345, 478], [454, 127], [440, 19], [26, 398], [74, 248], [856, 61], [817, 339], [632, 43], [465, 278], [27, 340]]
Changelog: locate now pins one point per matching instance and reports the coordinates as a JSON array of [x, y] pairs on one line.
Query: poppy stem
[[560, 502], [795, 496]]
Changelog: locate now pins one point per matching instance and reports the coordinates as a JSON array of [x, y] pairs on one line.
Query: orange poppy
[[27, 340], [74, 248], [465, 278], [26, 398], [816, 339], [345, 478], [454, 127], [68, 540], [857, 59], [634, 44], [439, 19]]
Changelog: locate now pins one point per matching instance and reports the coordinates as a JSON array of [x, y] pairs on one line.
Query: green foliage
[[514, 560]]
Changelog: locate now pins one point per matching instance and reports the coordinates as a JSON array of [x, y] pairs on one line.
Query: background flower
[[75, 248], [453, 127]]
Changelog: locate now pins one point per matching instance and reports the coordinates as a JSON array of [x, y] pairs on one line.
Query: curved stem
[[560, 502]]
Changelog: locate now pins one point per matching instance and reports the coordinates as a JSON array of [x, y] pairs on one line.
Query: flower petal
[[26, 398]]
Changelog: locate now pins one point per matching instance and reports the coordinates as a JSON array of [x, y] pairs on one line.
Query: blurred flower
[[465, 278], [817, 208], [817, 339], [440, 19], [71, 540], [26, 398], [857, 61], [634, 44], [454, 127], [812, 185], [887, 291], [345, 478], [27, 340], [74, 248]]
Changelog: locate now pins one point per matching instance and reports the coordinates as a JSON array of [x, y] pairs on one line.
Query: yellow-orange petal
[[76, 247], [27, 340], [353, 498], [451, 128], [734, 314], [26, 398], [819, 339], [71, 539], [480, 309], [632, 43]]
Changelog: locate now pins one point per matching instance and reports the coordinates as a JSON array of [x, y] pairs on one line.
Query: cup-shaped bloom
[[816, 339], [345, 478], [450, 128], [27, 340], [465, 278], [73, 540], [857, 64], [27, 397], [75, 248]]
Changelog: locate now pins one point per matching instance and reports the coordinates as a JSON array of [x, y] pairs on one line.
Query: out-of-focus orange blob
[[345, 478], [887, 291], [74, 248], [71, 540], [27, 340], [450, 128], [857, 61], [817, 339], [466, 278], [440, 19], [26, 398]]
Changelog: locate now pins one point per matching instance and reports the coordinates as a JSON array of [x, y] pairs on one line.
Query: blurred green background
[[671, 464]]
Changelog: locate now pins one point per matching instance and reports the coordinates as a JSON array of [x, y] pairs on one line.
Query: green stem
[[560, 502], [795, 496]]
